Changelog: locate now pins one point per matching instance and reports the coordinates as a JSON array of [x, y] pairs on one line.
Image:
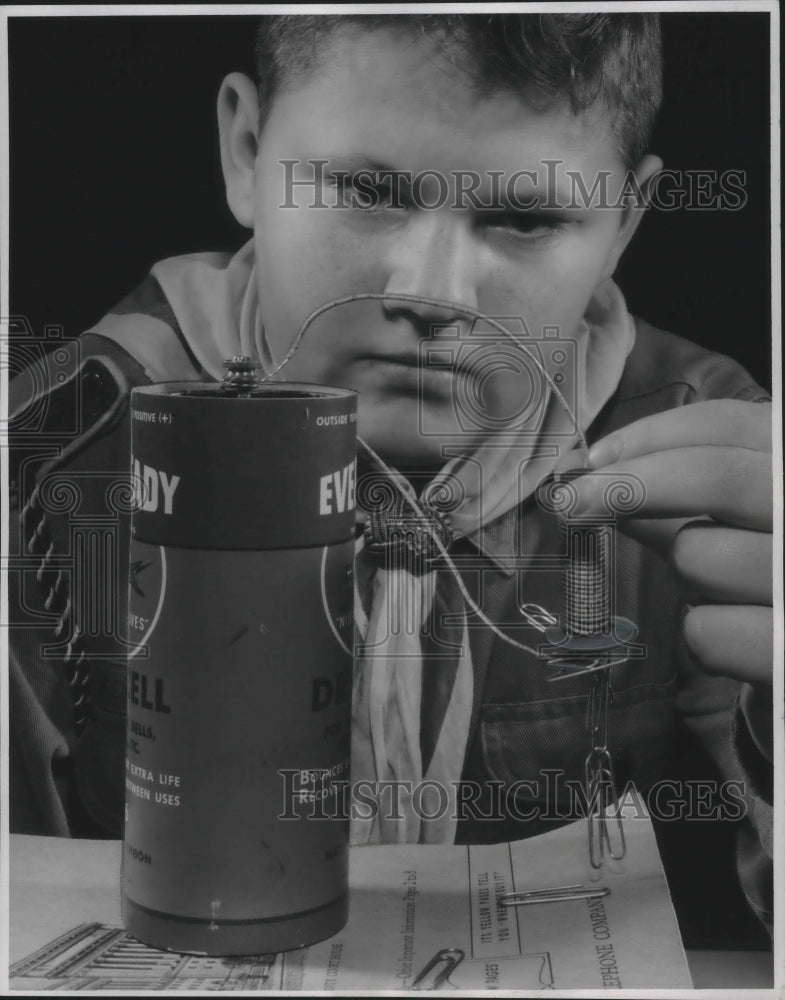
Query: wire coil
[[587, 578]]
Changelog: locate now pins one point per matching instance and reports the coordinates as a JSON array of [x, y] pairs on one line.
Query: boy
[[435, 157]]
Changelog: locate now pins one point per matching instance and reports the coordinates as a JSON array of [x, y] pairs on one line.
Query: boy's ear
[[238, 130], [636, 188]]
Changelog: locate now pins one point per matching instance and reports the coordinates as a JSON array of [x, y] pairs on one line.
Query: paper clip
[[437, 972], [601, 780], [556, 895]]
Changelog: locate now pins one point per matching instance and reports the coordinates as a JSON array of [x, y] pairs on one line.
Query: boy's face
[[379, 100]]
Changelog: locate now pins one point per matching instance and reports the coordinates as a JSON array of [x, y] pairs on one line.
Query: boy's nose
[[434, 258]]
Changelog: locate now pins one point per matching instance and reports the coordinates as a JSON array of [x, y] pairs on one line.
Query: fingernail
[[587, 489], [605, 452]]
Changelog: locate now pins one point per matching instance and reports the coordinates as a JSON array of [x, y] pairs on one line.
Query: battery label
[[193, 485], [336, 491], [154, 489], [242, 670]]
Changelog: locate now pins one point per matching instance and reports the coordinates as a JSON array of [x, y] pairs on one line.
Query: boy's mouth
[[461, 366], [409, 373]]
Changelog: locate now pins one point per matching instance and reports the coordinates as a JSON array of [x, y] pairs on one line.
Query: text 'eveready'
[[336, 491], [147, 495]]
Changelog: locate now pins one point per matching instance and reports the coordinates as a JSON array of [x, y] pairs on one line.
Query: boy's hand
[[712, 461]]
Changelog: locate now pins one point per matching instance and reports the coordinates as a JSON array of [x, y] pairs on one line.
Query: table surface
[[41, 865]]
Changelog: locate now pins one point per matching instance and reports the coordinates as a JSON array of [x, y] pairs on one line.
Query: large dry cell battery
[[240, 666]]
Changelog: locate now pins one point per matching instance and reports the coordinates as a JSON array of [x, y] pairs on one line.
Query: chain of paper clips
[[601, 787], [567, 661]]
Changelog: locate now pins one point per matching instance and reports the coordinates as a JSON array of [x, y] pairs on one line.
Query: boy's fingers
[[721, 422], [656, 533], [724, 564], [713, 562], [733, 485], [732, 639]]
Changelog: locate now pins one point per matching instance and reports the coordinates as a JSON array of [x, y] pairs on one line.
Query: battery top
[[216, 468]]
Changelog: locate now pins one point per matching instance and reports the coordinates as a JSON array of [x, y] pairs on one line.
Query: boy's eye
[[529, 225], [366, 190]]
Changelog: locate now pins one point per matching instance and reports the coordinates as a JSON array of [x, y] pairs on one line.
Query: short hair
[[612, 61]]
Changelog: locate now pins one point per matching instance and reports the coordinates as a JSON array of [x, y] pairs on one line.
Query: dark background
[[114, 165]]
